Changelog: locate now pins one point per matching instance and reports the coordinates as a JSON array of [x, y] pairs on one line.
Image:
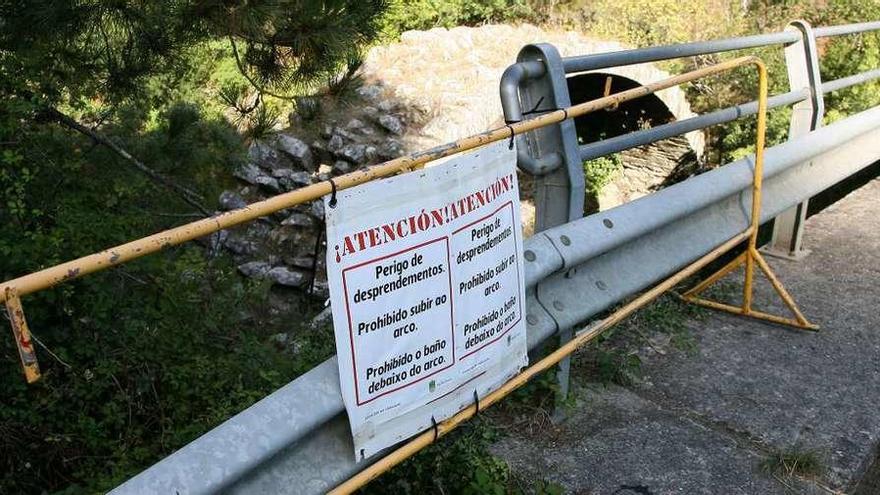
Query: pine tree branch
[[260, 89], [186, 194]]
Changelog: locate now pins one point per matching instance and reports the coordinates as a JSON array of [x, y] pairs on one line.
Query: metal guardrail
[[555, 158], [296, 440]]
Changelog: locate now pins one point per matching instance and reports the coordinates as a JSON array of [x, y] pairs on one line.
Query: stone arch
[[643, 169], [648, 111]]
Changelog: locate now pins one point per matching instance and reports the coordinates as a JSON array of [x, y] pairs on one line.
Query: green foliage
[[148, 356], [613, 356], [618, 366], [284, 52], [670, 21], [847, 55], [460, 463], [59, 51], [794, 462], [599, 172], [652, 23], [405, 15]]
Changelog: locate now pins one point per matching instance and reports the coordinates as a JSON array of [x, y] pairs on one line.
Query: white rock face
[[453, 74]]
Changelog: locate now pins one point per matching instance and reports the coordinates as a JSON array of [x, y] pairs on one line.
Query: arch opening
[[647, 111], [633, 173]]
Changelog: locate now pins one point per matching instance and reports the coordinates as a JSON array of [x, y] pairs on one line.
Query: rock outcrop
[[430, 88], [287, 248]]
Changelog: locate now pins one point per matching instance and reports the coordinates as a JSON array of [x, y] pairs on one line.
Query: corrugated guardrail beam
[[296, 440]]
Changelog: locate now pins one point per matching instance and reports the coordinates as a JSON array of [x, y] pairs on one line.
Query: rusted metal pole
[[22, 336], [70, 270]]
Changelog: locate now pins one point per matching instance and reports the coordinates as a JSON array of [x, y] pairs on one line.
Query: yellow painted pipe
[[739, 310], [70, 270]]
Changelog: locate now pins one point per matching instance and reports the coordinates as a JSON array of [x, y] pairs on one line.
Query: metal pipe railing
[[423, 440], [297, 439], [622, 58], [845, 82], [647, 136], [70, 270], [517, 73], [861, 27]]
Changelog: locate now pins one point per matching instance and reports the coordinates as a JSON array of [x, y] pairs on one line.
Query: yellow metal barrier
[[74, 269], [11, 290], [751, 254], [424, 439]]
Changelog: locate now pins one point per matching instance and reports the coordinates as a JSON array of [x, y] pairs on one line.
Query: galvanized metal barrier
[[296, 440], [555, 158]]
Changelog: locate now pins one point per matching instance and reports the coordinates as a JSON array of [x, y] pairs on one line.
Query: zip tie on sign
[[476, 402]]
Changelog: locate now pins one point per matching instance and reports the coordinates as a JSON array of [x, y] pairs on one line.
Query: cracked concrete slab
[[701, 423]]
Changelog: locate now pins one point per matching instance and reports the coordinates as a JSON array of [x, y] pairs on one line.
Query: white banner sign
[[427, 290]]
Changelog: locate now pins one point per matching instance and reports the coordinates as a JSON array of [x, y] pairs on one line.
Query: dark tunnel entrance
[[648, 111], [630, 173]]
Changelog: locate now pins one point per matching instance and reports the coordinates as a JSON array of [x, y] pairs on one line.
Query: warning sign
[[427, 291]]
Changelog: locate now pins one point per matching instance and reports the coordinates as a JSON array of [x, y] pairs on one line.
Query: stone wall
[[431, 88]]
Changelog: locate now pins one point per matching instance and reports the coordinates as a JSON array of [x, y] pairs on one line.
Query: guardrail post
[[559, 194], [802, 62]]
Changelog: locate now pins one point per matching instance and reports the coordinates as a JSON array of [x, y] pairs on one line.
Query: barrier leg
[[751, 256]]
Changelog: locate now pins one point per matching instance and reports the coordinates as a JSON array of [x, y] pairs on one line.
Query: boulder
[[368, 92], [263, 154], [304, 262], [370, 112], [317, 209], [387, 106], [299, 220], [297, 150], [282, 275], [335, 143], [268, 183], [292, 179], [255, 269], [355, 153], [322, 319], [391, 124], [390, 149], [341, 167], [327, 131], [293, 241], [239, 244], [355, 125], [248, 172], [370, 153]]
